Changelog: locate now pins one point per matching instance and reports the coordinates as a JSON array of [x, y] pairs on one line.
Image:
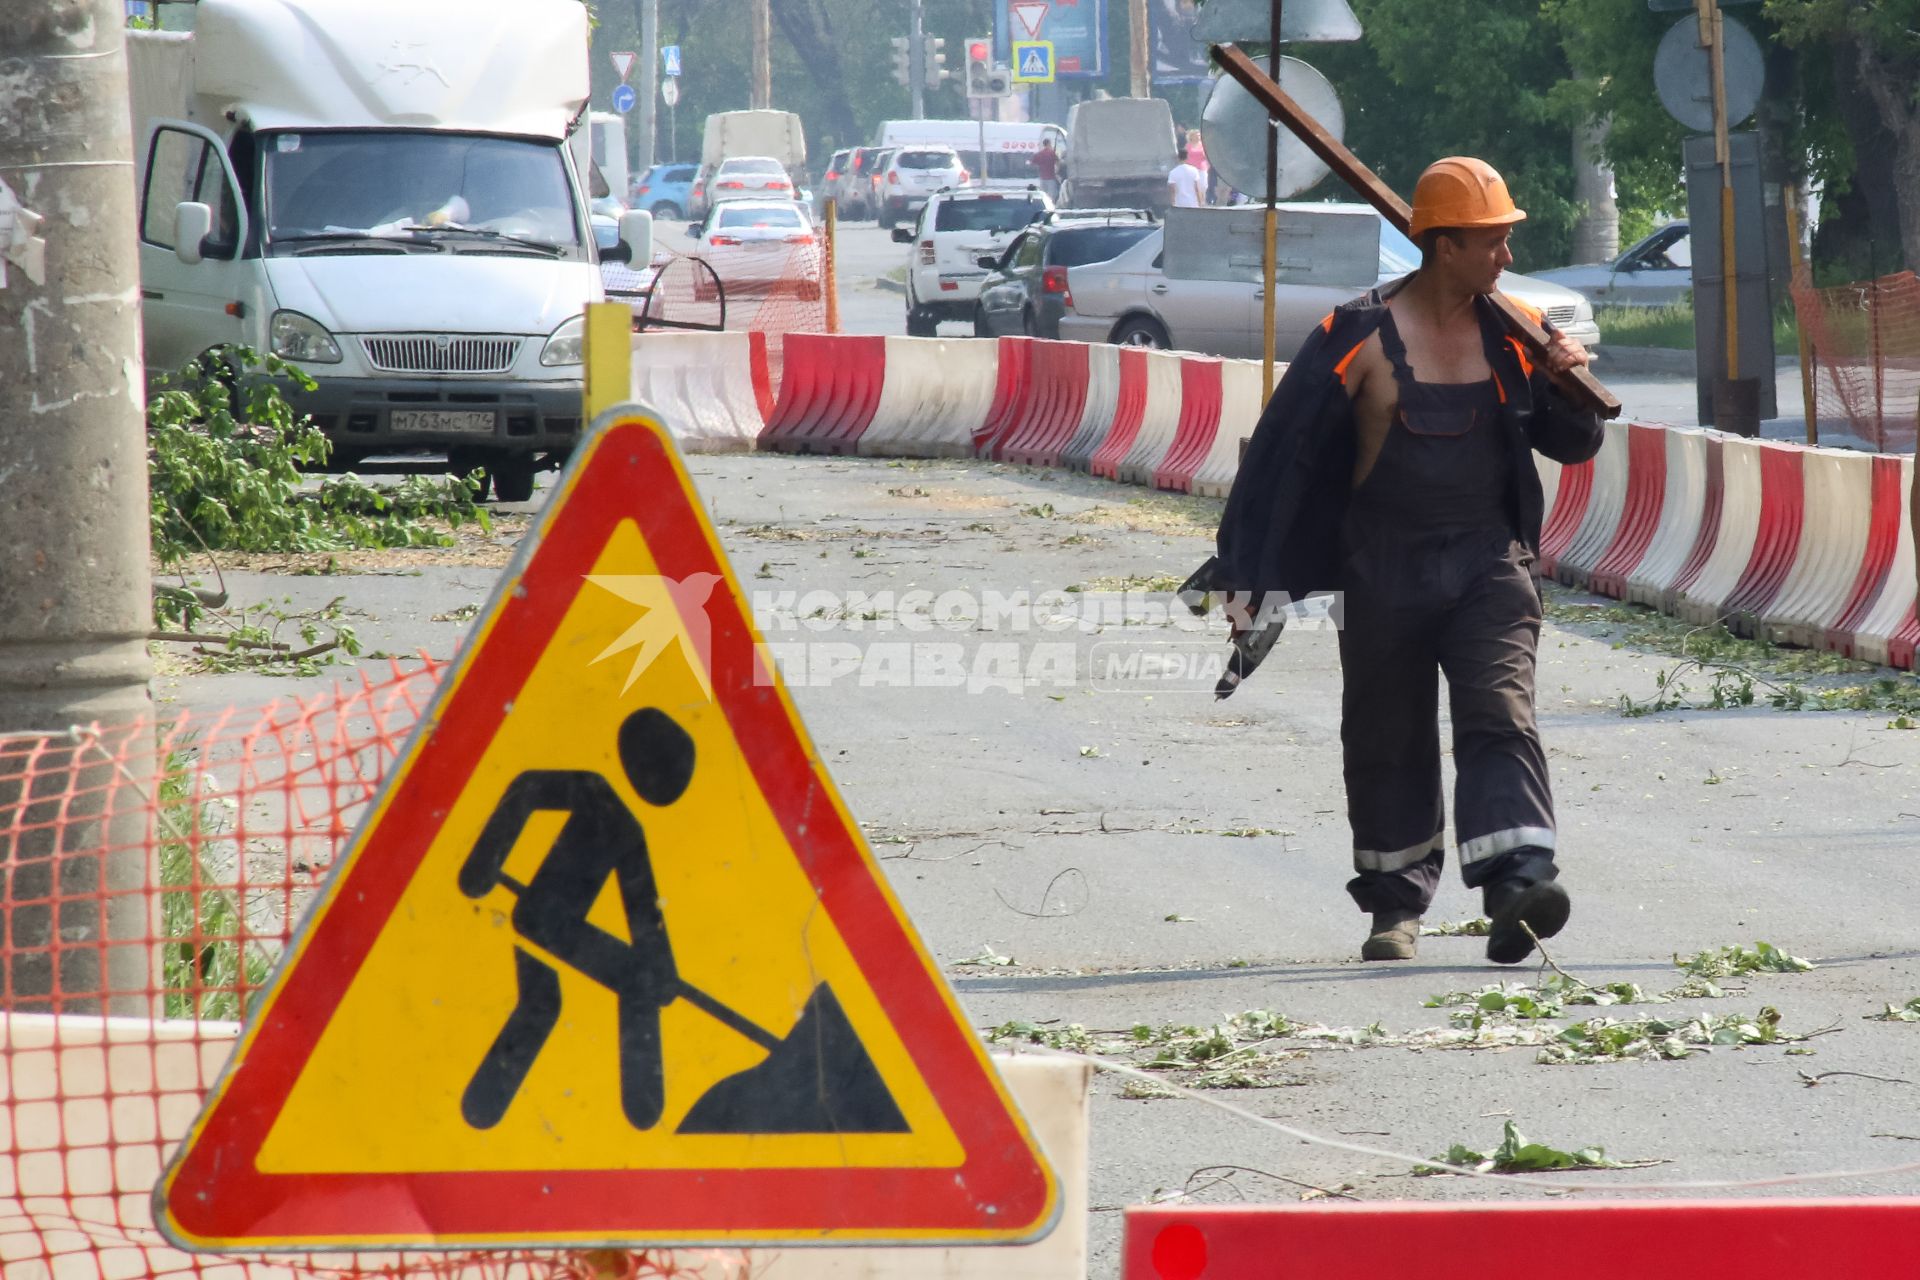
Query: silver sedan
[[1130, 300]]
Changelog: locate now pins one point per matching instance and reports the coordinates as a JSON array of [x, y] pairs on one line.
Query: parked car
[[749, 178], [875, 170], [953, 230], [665, 190], [914, 174], [1026, 289], [1130, 300], [832, 182], [1656, 272], [758, 246]]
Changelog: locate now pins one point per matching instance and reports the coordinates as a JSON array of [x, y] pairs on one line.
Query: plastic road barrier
[[704, 384], [829, 389], [1200, 394], [1159, 420], [936, 393], [1048, 418]]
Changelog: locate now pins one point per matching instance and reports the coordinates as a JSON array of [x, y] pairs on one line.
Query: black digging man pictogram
[[818, 1078]]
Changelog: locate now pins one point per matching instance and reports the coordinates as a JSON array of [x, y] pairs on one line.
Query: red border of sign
[[213, 1196]]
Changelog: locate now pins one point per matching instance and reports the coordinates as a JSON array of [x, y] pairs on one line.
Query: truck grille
[[1562, 316], [441, 353]]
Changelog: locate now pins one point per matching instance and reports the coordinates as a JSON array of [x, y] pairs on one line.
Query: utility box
[[1332, 246], [1754, 305]]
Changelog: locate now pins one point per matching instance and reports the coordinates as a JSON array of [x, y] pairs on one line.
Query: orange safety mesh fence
[[775, 288], [154, 874], [1865, 339]]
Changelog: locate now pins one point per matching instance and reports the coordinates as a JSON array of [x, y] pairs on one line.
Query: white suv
[[955, 229], [912, 175]]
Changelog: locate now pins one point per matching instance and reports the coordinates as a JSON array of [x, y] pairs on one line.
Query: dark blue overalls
[[1435, 579]]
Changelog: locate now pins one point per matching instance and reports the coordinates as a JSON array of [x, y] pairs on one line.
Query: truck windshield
[[341, 185]]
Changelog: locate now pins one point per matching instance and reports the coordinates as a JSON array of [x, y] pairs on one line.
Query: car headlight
[[302, 340], [567, 345]]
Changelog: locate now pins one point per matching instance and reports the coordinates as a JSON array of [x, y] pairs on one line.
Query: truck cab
[[384, 196]]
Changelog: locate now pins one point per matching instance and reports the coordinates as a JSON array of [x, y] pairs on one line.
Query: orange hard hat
[[1461, 191]]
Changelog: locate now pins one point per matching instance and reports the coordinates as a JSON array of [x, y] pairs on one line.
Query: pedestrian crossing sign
[[608, 962], [1033, 62]]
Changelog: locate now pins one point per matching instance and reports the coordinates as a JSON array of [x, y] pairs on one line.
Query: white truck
[[383, 195], [777, 135], [1121, 150]]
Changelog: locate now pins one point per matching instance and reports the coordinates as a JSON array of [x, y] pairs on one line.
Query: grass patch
[[1672, 327], [1716, 669], [208, 967]]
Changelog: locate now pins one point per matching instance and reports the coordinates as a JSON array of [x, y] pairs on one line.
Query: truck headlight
[[302, 340], [567, 344]]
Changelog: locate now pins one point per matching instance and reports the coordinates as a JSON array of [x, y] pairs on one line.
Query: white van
[[1010, 147], [383, 195]]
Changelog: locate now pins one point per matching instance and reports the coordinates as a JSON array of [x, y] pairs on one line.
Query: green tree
[[1873, 50]]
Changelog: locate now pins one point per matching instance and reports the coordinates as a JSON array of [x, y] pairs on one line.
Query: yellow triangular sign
[[608, 961]]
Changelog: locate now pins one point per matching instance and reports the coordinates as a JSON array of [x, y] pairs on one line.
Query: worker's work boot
[[1395, 936], [1541, 905]]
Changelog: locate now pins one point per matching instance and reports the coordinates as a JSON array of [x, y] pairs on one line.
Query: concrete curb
[[885, 285]]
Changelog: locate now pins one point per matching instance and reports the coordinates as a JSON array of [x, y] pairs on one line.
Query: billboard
[[1077, 29], [1177, 55]]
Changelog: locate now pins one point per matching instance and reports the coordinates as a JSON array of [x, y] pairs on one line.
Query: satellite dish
[[1234, 127], [1684, 79], [1251, 21]]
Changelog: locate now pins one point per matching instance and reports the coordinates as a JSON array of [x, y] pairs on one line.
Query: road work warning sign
[[608, 962]]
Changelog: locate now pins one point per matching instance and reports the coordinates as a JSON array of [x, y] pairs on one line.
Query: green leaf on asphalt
[[1516, 1154]]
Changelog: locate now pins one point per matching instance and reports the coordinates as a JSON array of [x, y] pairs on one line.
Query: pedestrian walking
[[1186, 186], [1046, 165], [1393, 467]]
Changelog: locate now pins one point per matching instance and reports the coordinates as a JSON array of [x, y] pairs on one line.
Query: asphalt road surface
[[1084, 843]]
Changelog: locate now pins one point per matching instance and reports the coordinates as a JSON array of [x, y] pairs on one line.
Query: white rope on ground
[[1559, 1185]]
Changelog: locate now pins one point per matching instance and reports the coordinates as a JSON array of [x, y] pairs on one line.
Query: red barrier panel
[[1709, 536], [1056, 397], [1646, 498], [1883, 542], [1569, 509], [1700, 1239], [829, 388], [1012, 388], [1900, 648], [1200, 401], [1783, 508], [762, 377], [1127, 416]]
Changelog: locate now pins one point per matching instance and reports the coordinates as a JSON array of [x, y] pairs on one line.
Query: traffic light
[[984, 80], [934, 67], [902, 60]]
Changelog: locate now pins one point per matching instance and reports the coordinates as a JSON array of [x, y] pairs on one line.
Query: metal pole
[[75, 524], [916, 59], [673, 131], [1798, 269], [1268, 250], [762, 55], [649, 91], [1710, 36], [831, 285], [1139, 65]]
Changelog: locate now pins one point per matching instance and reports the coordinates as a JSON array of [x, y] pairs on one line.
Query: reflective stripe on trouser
[[1415, 606]]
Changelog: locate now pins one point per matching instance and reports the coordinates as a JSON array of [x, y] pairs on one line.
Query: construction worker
[[1394, 467]]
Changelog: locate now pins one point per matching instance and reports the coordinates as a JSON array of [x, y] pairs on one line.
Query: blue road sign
[[624, 98], [1033, 62], [670, 56]]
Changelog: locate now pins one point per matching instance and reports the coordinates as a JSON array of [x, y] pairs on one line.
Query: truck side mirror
[[636, 237], [903, 235], [192, 224]]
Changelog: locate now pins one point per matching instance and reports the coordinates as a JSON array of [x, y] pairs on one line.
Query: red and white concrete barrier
[[1102, 406], [829, 390], [936, 393], [705, 384], [1159, 419]]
